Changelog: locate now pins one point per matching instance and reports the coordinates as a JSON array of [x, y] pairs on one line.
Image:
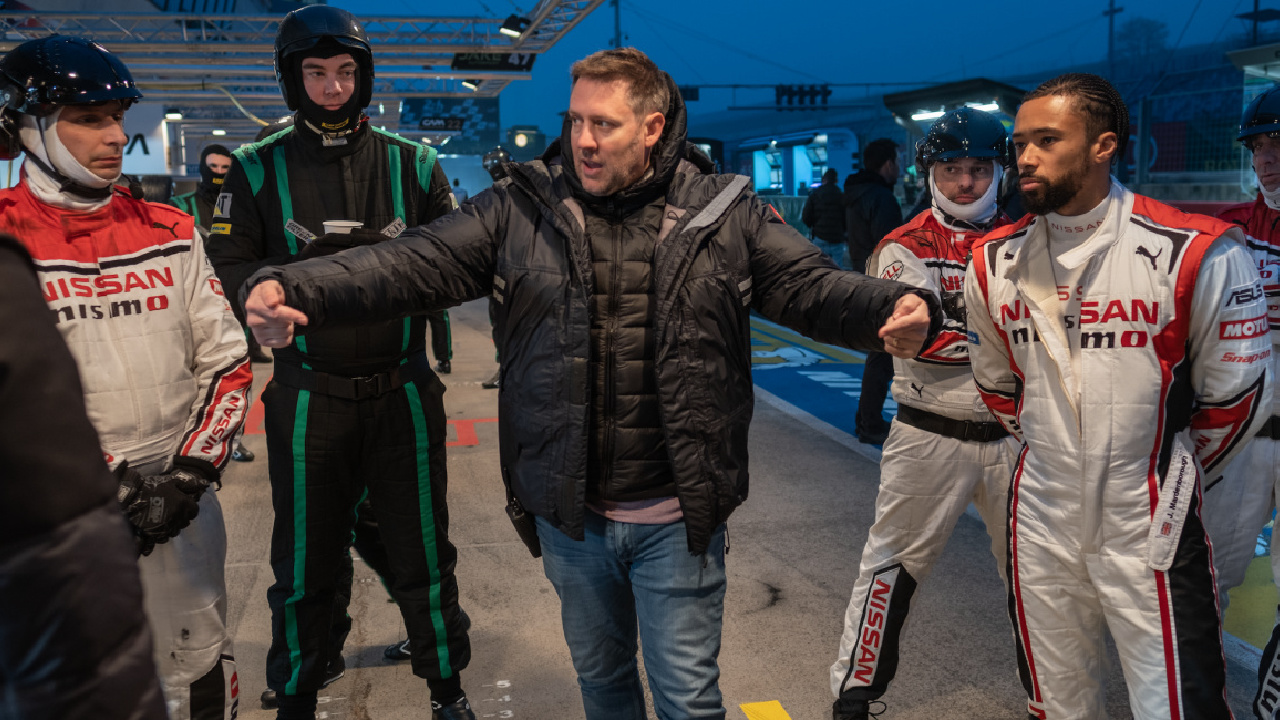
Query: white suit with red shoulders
[[1123, 392]]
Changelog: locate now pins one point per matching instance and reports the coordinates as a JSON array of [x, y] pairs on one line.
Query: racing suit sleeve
[[895, 261], [447, 262], [221, 367], [1230, 352], [793, 284], [993, 372], [237, 243], [435, 202]]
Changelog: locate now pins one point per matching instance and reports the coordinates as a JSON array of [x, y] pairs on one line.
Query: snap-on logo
[[1243, 329]]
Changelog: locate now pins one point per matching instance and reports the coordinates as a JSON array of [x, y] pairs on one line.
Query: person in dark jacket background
[[215, 162], [625, 271], [74, 641], [871, 212], [824, 215], [349, 410]]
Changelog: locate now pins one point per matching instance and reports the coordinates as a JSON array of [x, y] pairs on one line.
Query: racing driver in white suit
[[944, 448], [162, 360], [1102, 337]]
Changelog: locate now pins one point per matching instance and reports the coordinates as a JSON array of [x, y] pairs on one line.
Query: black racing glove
[[160, 506], [331, 243]]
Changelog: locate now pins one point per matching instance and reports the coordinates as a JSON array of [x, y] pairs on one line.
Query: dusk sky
[[830, 41]]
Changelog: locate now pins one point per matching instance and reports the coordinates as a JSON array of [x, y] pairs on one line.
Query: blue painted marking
[[810, 375]]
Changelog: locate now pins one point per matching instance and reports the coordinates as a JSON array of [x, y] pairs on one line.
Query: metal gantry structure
[[217, 70]]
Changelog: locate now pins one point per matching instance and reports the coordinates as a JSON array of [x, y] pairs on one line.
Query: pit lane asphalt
[[793, 558]]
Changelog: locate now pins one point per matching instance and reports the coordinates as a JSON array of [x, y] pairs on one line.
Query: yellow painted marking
[[771, 710], [768, 336]]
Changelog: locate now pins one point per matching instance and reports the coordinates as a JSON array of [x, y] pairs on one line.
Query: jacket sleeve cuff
[[267, 273]]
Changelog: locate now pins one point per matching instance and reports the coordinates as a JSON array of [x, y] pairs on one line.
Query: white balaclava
[[1270, 197], [40, 139], [980, 211]]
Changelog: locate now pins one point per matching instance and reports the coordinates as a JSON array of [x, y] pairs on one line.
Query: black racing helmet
[[1262, 114], [964, 132], [40, 75], [494, 160], [310, 26]]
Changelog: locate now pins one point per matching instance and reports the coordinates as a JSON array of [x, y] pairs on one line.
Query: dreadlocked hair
[[1104, 109]]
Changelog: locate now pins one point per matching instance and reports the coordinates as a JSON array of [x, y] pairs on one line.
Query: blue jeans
[[625, 575], [837, 251]]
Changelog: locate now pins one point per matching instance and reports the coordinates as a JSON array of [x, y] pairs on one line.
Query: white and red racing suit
[[1104, 509], [1240, 502], [944, 451], [165, 372]]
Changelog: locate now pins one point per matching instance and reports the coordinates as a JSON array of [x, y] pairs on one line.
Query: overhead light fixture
[[219, 132], [172, 113], [514, 26], [472, 85], [985, 107], [929, 115]]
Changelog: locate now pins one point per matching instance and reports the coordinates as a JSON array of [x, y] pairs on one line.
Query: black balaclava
[[331, 122], [209, 180]]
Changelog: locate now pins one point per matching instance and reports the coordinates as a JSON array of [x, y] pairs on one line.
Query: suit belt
[[1270, 428], [970, 430], [417, 367]]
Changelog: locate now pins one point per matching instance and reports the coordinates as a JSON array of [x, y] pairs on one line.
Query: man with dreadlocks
[[1103, 337]]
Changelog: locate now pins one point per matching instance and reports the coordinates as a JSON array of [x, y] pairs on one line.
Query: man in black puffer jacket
[[74, 642], [824, 214], [625, 272]]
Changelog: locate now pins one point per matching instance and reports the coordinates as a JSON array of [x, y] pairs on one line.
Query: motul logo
[[1243, 329], [866, 657]]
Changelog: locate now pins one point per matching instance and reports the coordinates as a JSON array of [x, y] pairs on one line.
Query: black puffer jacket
[[720, 253], [871, 212], [824, 212], [74, 641]]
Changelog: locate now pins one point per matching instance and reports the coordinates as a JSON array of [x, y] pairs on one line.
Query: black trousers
[[441, 335], [367, 540], [324, 454], [877, 373]]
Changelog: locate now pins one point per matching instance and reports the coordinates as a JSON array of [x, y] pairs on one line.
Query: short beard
[[1057, 193], [624, 177]]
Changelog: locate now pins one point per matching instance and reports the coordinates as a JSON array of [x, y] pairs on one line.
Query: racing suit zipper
[[611, 330]]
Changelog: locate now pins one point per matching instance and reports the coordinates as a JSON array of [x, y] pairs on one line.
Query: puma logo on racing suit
[[170, 228], [1143, 252]]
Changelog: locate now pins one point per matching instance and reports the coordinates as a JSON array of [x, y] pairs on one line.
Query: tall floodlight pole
[[617, 23], [1111, 13]]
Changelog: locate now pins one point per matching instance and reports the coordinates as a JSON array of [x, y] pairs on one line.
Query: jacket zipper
[[611, 329]]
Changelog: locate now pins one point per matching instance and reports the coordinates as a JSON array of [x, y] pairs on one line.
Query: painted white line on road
[[871, 452]]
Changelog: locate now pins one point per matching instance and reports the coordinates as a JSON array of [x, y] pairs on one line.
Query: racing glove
[[160, 506], [331, 243]]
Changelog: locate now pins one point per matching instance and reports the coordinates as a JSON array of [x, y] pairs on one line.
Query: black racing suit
[[198, 203], [351, 408]]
